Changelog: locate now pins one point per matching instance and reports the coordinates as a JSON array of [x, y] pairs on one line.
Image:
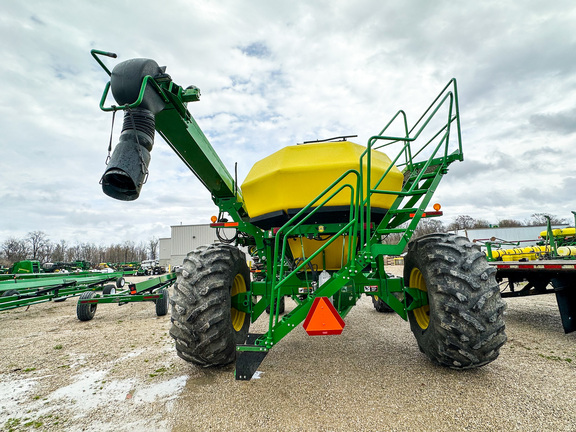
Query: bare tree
[[36, 245], [39, 244], [510, 223], [462, 222], [13, 250], [59, 252], [153, 248], [428, 226], [89, 252], [425, 226], [481, 223], [538, 219]]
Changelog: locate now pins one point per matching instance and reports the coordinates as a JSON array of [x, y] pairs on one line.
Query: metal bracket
[[248, 361], [419, 298]]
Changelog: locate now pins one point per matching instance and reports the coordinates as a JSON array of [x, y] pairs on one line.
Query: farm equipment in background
[[76, 266], [561, 243], [153, 290], [553, 243], [549, 267], [150, 267], [29, 289], [17, 291], [312, 217], [26, 266], [129, 268]]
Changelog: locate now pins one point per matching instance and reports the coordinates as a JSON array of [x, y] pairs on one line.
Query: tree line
[[462, 222], [465, 222], [37, 246]]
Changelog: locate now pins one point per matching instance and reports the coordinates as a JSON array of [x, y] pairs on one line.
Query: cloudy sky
[[275, 73]]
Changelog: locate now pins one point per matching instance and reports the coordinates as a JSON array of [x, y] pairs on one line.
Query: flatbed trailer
[[153, 290], [541, 277], [31, 276], [26, 292]]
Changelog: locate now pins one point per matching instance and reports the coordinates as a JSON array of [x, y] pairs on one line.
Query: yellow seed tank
[[280, 185]]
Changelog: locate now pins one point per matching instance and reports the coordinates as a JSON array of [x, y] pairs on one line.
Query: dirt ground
[[120, 372]]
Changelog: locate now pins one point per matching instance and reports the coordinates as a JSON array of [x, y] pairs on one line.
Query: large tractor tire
[[204, 324], [282, 307], [462, 326], [380, 305]]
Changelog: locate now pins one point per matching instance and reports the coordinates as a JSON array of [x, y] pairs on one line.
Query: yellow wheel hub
[[238, 317], [422, 314]]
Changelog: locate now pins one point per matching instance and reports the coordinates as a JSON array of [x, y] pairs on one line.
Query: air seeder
[[313, 218]]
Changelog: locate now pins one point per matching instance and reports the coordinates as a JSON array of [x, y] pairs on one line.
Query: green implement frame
[[152, 290], [423, 152], [26, 292]]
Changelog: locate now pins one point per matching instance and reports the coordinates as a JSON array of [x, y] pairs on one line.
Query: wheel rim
[[238, 317], [422, 314]]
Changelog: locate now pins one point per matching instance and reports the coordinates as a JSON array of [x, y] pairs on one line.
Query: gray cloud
[[273, 74], [563, 122]]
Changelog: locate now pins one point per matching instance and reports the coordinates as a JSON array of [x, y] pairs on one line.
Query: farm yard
[[120, 372]]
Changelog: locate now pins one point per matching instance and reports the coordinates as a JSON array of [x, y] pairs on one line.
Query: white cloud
[[273, 74]]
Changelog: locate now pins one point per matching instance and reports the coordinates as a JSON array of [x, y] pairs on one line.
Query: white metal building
[[164, 244], [184, 239]]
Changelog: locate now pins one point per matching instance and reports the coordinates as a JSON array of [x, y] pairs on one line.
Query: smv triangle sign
[[323, 319]]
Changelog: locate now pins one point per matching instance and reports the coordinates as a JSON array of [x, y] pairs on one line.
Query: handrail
[[278, 278], [444, 133], [435, 105], [360, 200]]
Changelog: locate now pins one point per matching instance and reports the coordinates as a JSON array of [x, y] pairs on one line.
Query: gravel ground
[[120, 372]]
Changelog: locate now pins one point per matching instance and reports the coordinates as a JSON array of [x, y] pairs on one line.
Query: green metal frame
[[55, 288], [424, 162], [148, 290]]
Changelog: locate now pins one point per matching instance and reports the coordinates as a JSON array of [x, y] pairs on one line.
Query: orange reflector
[[428, 214], [437, 206], [213, 219], [224, 225], [323, 319]]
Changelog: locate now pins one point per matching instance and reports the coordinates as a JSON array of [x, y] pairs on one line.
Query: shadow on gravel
[[545, 318]]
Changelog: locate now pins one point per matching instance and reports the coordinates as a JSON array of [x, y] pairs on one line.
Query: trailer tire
[[282, 307], [10, 293], [380, 305], [205, 326], [162, 304], [462, 326], [120, 282], [108, 289], [86, 311]]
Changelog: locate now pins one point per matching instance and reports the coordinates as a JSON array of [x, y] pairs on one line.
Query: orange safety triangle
[[323, 319]]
